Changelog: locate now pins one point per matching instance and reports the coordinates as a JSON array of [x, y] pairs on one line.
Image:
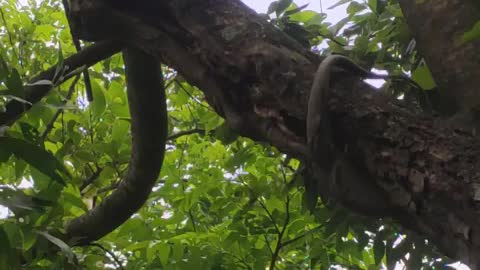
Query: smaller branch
[[117, 261], [190, 215], [186, 132], [78, 47], [280, 235], [239, 259], [90, 180], [333, 39], [285, 164], [192, 97], [49, 127], [286, 243], [268, 244], [107, 189], [262, 205], [34, 91], [168, 84], [270, 216]]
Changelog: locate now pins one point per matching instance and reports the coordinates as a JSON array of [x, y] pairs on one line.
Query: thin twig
[[117, 261], [78, 47], [269, 216], [268, 244], [280, 235], [106, 189], [190, 215], [92, 178], [50, 125], [261, 205], [192, 97], [186, 132], [241, 260], [286, 243]]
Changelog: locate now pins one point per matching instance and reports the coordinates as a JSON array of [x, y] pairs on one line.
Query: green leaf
[[60, 65], [308, 17], [45, 31], [120, 131], [282, 6], [29, 239], [4, 70], [19, 202], [164, 252], [14, 84], [225, 134], [21, 100], [378, 249], [415, 260], [36, 157], [178, 250], [5, 250], [295, 10], [472, 34], [99, 103], [41, 82], [355, 7], [66, 250], [272, 7], [373, 4], [423, 77], [394, 254]]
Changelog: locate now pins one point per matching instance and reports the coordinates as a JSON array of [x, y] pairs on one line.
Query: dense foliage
[[222, 201]]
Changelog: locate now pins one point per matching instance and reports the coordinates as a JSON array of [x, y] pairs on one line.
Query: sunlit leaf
[[99, 103], [423, 77]]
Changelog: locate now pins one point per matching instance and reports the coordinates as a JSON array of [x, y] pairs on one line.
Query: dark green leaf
[[19, 202], [295, 10], [60, 65], [66, 250], [423, 77], [378, 249], [99, 103], [272, 7], [472, 34], [36, 157], [14, 84], [373, 4], [282, 6], [5, 250], [4, 70]]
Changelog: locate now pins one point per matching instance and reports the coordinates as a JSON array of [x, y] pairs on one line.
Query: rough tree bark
[[245, 67], [455, 65], [148, 110]]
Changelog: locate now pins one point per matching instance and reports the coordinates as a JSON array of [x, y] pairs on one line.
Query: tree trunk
[[422, 170], [454, 65]]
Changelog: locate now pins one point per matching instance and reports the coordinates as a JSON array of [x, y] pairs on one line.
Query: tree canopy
[[95, 175]]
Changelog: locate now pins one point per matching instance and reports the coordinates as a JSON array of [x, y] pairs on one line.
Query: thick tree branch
[[147, 102], [259, 79]]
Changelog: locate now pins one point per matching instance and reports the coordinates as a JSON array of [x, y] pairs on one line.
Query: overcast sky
[[332, 15]]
